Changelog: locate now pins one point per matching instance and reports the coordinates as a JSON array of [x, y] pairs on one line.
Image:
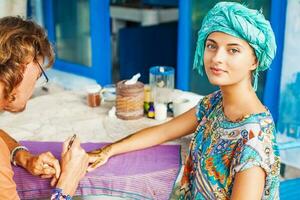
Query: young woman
[[24, 47], [233, 153]]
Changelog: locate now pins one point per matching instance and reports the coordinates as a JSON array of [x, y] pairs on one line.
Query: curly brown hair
[[21, 41]]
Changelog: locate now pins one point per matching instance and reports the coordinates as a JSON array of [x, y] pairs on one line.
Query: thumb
[[53, 181], [91, 168], [70, 142], [97, 163], [65, 145], [93, 159]]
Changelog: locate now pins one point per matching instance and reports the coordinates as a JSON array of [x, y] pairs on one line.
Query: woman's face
[[228, 60], [24, 90]]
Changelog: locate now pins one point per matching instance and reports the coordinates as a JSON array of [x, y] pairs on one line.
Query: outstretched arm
[[178, 127]]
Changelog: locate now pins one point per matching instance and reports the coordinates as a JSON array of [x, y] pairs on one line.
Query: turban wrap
[[239, 21]]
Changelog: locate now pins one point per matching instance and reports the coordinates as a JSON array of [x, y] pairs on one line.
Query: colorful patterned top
[[220, 148]]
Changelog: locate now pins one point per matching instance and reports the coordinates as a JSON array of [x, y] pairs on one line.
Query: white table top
[[58, 115]]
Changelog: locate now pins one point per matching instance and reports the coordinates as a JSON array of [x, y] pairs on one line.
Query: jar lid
[[93, 88], [162, 70]]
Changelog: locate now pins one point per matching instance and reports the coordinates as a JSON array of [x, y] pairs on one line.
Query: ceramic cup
[[181, 105]]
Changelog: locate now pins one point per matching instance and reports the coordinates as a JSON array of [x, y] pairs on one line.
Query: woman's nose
[[219, 56]]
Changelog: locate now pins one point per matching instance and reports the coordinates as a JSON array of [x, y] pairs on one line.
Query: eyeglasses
[[43, 79]]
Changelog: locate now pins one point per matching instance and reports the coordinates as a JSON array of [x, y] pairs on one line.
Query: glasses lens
[[41, 81]]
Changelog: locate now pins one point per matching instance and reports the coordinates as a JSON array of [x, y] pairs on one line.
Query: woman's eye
[[210, 46], [234, 51]]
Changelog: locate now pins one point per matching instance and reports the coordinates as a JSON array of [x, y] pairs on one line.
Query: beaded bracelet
[[14, 153], [58, 195]]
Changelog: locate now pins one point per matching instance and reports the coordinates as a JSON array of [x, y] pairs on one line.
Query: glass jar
[[93, 96], [161, 80]]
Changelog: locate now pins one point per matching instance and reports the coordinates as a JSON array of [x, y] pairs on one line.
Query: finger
[[36, 167], [65, 145], [76, 143], [55, 164], [51, 162], [94, 165], [93, 159], [37, 170], [46, 176], [53, 181], [49, 171], [94, 152], [50, 154], [57, 169], [90, 169]]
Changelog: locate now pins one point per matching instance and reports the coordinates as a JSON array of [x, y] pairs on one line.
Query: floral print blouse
[[220, 148]]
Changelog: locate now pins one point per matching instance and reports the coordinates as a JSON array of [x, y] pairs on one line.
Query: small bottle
[[151, 111], [146, 107], [147, 99]]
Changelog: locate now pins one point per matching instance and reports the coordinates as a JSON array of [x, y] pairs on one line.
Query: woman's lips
[[217, 71]]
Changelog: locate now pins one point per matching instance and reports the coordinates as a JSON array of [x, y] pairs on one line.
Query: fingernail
[[45, 165]]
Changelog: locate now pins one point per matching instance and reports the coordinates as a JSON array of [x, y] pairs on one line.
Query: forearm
[[21, 156], [140, 140], [9, 141], [176, 128], [67, 184]]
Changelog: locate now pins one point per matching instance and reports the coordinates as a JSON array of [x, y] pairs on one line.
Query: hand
[[74, 163], [44, 165], [98, 157]]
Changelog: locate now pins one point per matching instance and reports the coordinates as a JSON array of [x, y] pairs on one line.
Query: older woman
[[24, 48], [233, 153]]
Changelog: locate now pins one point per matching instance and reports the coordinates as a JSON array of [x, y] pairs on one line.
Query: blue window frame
[[100, 68], [272, 85], [184, 44]]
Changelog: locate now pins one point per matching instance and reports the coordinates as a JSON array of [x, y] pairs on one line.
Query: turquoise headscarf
[[241, 22]]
